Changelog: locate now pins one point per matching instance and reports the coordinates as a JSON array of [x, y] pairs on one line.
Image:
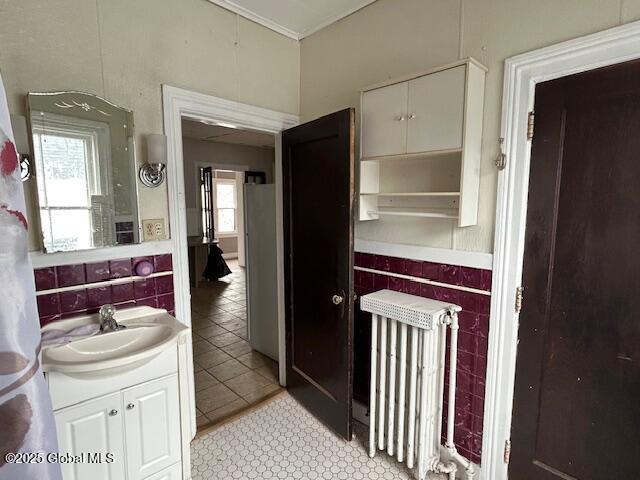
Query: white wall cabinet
[[435, 114], [384, 111], [434, 117], [145, 418]]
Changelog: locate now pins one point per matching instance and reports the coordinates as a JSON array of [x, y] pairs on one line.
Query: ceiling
[[294, 18], [217, 133]]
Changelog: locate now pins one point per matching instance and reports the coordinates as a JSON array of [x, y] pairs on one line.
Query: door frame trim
[[521, 75], [178, 103]]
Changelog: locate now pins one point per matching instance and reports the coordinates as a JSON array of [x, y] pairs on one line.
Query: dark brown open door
[[318, 192], [577, 398]]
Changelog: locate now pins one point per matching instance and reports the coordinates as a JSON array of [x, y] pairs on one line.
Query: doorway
[[178, 104], [235, 349], [521, 75], [575, 405], [333, 135]]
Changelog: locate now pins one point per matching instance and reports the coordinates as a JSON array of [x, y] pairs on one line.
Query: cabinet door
[[91, 428], [152, 427], [174, 472], [436, 111], [384, 121]]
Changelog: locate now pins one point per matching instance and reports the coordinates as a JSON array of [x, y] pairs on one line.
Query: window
[[226, 206], [67, 160]]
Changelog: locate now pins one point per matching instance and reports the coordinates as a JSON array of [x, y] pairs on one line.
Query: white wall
[[125, 50], [390, 38]]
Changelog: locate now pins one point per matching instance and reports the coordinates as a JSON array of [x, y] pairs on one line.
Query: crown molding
[[287, 32]]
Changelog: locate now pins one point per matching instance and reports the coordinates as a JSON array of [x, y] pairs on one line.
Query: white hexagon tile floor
[[283, 441]]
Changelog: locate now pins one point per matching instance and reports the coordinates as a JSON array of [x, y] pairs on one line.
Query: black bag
[[216, 266]]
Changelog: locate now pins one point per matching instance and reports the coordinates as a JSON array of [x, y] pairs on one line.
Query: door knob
[[113, 412], [337, 299]]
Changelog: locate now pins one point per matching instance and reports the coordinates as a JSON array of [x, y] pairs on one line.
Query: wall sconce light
[[21, 136], [153, 172]]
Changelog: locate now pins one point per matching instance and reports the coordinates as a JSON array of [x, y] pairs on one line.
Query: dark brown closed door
[[318, 163], [577, 398]]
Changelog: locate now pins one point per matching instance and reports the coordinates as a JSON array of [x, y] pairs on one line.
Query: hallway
[[229, 375]]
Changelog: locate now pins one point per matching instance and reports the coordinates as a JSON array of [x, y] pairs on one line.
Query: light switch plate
[[153, 229]]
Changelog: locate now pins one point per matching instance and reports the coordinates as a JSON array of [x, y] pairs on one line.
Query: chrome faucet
[[107, 322]]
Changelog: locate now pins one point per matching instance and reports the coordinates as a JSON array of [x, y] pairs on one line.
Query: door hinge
[[501, 158], [507, 451], [531, 120], [519, 297]]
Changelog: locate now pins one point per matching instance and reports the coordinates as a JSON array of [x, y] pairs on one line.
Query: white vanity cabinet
[[144, 418], [94, 426], [171, 473], [132, 414], [152, 427], [421, 145]]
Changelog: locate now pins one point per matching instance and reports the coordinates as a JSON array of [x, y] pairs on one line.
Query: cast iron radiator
[[408, 346]]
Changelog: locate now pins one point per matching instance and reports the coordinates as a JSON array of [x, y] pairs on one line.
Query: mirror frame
[[131, 145]]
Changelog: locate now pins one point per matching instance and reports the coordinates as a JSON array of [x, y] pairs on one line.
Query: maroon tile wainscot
[[90, 294], [474, 331]]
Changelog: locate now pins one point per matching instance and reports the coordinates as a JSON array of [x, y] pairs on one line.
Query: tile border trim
[[446, 256], [424, 280], [57, 259], [105, 283]]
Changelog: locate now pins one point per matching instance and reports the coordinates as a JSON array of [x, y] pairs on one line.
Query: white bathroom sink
[[149, 332]]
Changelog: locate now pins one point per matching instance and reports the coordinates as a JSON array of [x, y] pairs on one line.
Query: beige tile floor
[[229, 375]]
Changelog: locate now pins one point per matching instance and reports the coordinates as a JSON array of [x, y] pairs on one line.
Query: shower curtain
[[26, 417]]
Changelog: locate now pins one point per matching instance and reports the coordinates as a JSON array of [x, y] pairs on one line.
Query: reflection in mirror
[[85, 171]]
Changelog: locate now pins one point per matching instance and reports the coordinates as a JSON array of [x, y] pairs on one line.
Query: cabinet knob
[[113, 412], [130, 406], [400, 118], [412, 116]]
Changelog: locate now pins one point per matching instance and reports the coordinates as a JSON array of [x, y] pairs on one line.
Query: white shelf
[[406, 156], [413, 194], [416, 212], [420, 134]]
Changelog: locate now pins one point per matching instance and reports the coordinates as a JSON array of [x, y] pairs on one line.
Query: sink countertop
[[150, 332]]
